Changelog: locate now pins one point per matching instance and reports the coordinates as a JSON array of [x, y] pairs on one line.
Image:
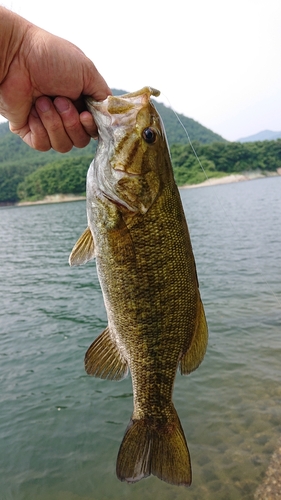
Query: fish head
[[131, 160]]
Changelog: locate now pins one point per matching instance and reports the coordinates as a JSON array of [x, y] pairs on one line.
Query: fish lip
[[131, 96], [105, 111]]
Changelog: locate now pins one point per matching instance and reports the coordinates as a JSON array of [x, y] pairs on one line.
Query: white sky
[[217, 61]]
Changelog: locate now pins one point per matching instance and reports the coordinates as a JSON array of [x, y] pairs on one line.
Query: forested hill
[[29, 174], [13, 149], [17, 160]]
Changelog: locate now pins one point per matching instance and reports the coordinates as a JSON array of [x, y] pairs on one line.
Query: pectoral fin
[[83, 250], [196, 351], [103, 358]]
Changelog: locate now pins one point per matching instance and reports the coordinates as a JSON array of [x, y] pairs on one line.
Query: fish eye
[[149, 135]]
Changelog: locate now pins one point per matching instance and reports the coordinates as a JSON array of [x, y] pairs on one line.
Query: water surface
[[60, 430]]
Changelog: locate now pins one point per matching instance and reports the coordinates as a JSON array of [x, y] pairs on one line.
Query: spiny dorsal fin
[[83, 250], [103, 358], [196, 351]]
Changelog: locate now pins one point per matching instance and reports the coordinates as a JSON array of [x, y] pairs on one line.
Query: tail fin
[[154, 448]]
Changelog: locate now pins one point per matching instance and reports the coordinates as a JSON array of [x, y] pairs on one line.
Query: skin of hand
[[42, 81]]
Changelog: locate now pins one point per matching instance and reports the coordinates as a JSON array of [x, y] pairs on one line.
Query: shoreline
[[227, 179], [54, 198], [270, 488]]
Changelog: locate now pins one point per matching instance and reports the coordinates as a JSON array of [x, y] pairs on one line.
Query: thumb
[[15, 103], [18, 121], [95, 85]]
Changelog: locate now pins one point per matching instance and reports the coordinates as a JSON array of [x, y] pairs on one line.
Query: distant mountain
[[265, 135]]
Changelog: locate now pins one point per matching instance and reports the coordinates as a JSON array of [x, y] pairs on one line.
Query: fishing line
[[207, 178], [188, 137]]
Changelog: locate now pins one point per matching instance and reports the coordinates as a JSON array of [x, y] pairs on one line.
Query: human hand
[[42, 91]]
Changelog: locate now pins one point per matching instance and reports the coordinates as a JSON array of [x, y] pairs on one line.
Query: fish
[[138, 234]]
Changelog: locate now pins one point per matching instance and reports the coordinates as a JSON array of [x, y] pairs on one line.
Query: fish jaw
[[126, 166]]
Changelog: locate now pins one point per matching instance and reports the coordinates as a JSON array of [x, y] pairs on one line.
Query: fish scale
[[156, 323]]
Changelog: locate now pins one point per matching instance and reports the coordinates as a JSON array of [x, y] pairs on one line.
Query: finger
[[33, 133], [51, 120], [88, 123], [71, 122]]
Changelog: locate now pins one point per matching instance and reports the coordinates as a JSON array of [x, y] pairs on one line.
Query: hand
[[41, 93]]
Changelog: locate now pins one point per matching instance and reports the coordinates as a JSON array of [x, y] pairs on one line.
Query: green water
[[60, 430]]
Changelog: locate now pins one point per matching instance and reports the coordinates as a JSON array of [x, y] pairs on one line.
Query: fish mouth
[[121, 104], [115, 111]]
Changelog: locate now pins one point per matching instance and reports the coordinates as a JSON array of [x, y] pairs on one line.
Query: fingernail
[[43, 103], [61, 104]]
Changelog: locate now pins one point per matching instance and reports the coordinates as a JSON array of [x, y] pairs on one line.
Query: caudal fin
[[149, 447]]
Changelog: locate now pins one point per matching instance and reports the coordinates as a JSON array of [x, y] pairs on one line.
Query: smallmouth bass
[[138, 235]]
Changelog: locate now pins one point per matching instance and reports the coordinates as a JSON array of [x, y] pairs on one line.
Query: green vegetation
[[65, 176], [17, 161], [219, 159], [29, 174]]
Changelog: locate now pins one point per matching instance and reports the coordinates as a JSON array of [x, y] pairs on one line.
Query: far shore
[[54, 198], [227, 179]]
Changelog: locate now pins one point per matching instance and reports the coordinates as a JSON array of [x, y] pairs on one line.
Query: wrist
[[12, 31]]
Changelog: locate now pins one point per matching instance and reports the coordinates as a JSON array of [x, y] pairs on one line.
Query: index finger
[[73, 126]]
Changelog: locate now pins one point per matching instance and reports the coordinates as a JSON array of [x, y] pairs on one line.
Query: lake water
[[60, 430]]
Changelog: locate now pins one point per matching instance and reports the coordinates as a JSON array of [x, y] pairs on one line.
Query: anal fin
[[103, 358]]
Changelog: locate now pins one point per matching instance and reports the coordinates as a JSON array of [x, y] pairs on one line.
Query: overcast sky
[[217, 61]]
